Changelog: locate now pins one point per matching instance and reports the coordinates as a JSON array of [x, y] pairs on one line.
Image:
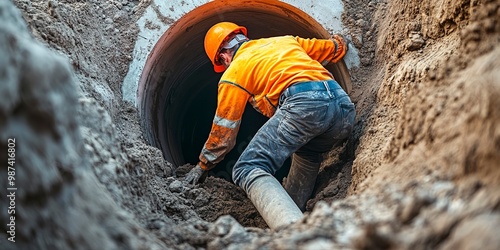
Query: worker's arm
[[324, 50], [230, 106]]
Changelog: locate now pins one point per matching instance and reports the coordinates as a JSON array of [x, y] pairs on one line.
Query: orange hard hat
[[214, 38]]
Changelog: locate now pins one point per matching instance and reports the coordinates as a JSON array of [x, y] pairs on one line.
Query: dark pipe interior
[[177, 92]]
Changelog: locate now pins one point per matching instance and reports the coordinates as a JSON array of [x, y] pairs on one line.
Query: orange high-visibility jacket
[[261, 69]]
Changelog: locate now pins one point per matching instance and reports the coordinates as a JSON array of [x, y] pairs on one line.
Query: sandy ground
[[421, 170]]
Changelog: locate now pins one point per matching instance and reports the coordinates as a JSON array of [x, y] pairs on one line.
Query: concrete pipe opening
[[177, 92]]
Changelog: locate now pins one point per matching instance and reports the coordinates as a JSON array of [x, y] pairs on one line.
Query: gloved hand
[[342, 44], [346, 40], [194, 176]]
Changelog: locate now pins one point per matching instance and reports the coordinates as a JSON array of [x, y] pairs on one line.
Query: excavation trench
[[177, 91]]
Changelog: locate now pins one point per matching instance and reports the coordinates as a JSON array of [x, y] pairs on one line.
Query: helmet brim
[[219, 68]]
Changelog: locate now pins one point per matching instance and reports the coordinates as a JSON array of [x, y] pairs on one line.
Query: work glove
[[195, 175], [342, 45], [346, 40]]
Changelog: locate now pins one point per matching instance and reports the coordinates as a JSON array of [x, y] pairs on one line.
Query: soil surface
[[421, 169]]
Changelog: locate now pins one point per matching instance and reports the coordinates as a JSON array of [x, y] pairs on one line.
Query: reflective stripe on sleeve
[[211, 157], [226, 123]]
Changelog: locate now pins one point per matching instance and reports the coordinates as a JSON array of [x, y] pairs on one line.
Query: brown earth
[[421, 170]]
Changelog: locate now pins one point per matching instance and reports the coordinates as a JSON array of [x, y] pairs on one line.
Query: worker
[[284, 79]]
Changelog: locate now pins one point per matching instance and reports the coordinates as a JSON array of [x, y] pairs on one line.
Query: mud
[[421, 170]]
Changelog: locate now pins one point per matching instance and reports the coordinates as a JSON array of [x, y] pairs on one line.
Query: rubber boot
[[301, 180], [273, 202]]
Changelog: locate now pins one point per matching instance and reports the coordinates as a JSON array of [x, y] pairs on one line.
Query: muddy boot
[[301, 179], [273, 203]]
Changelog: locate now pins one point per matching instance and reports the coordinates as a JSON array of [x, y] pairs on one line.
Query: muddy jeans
[[308, 122]]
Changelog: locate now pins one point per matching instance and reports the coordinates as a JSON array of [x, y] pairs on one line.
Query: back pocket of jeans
[[348, 113]]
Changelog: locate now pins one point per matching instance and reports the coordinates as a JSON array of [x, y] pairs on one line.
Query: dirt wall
[[435, 110]]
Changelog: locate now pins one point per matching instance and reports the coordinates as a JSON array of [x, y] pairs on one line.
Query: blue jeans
[[308, 123]]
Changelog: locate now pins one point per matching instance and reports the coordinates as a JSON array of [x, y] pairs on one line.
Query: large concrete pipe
[[177, 89]]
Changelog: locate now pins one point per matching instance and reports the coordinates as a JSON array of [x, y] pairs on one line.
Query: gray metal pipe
[[273, 202]]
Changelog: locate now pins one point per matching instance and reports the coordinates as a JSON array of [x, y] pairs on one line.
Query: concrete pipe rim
[[177, 88]]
